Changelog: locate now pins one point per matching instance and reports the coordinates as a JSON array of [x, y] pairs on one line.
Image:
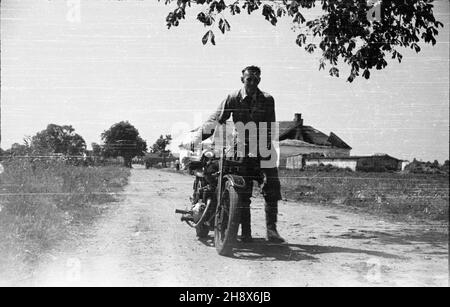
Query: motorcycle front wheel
[[227, 220]]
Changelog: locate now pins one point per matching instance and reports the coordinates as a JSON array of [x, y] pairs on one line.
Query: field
[[41, 201], [402, 195]]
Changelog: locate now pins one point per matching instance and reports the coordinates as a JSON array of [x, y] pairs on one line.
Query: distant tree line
[[54, 140], [120, 140], [428, 167]]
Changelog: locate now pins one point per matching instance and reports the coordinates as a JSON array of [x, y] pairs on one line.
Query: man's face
[[251, 80]]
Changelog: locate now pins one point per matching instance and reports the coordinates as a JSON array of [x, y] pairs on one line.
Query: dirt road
[[141, 242]]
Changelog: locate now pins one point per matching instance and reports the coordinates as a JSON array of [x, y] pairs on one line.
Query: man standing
[[250, 107]]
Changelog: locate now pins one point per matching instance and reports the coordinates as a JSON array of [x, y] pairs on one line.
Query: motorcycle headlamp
[[208, 154]]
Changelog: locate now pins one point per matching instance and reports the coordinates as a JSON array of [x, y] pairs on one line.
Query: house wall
[[287, 151], [403, 164], [334, 162], [295, 162], [378, 164]]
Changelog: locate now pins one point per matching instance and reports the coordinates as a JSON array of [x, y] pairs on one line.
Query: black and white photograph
[[240, 145]]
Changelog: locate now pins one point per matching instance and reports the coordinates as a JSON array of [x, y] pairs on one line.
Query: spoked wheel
[[202, 230], [227, 221]]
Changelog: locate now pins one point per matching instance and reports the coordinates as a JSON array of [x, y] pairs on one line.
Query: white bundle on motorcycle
[[191, 145], [212, 136], [191, 139]]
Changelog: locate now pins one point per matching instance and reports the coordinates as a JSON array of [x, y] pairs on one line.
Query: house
[[298, 139], [294, 137], [379, 163], [374, 163]]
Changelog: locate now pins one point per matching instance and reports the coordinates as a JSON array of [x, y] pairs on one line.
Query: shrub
[[419, 167]]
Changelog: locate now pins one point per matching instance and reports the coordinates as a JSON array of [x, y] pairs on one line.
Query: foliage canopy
[[362, 33], [58, 139]]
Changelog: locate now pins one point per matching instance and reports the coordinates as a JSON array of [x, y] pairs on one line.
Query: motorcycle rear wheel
[[227, 220]]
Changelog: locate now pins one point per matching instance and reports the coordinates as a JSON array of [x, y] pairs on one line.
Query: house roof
[[297, 143], [285, 127], [337, 141], [314, 136], [311, 135]]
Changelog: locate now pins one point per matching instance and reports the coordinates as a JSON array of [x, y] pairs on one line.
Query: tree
[[446, 166], [123, 140], [19, 150], [362, 33], [160, 147], [97, 154], [97, 150], [435, 164], [58, 139]]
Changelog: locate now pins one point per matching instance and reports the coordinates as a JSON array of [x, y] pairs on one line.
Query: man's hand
[[262, 180]]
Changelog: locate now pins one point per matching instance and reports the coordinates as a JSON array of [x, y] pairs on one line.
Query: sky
[[93, 63]]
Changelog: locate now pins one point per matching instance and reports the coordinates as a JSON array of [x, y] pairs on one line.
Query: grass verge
[[400, 195], [40, 202], [422, 196]]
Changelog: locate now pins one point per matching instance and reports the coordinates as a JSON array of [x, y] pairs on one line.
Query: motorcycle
[[215, 203]]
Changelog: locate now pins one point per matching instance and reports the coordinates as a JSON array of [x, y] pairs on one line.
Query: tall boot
[[271, 223], [246, 230]]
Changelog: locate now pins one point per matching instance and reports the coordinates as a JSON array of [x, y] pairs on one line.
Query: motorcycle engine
[[210, 169], [197, 210]]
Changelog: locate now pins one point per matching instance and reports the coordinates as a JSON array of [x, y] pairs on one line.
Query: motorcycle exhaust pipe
[[179, 211], [186, 216]]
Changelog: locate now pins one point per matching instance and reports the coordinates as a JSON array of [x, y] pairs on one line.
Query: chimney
[[299, 122]]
